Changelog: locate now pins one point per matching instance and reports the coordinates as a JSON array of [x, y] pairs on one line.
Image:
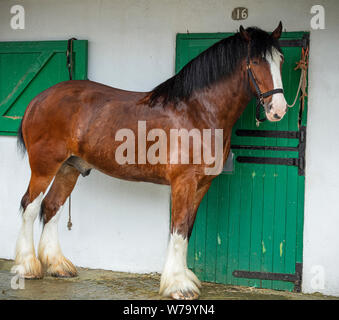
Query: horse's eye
[[255, 62]]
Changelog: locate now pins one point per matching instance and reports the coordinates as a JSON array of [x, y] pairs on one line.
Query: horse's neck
[[225, 101]]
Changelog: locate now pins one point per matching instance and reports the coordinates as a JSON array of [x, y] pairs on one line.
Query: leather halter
[[260, 96]]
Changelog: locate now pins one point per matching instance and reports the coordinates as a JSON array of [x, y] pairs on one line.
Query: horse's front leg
[[177, 281]]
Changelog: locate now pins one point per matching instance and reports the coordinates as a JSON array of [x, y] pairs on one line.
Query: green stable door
[[28, 68], [249, 227]]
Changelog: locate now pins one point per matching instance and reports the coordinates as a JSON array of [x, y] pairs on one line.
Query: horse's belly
[[136, 173], [131, 172]]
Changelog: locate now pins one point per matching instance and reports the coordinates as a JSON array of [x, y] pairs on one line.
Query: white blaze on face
[[279, 103]]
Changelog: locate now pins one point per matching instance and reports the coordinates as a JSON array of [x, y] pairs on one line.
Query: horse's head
[[263, 64]]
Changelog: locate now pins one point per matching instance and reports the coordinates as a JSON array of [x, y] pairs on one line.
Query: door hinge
[[296, 278], [297, 162], [303, 42]]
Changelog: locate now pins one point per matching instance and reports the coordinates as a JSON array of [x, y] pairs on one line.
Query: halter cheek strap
[[260, 96]]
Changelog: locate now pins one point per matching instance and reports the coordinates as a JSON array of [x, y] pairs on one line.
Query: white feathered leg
[[50, 253], [26, 263], [177, 281]]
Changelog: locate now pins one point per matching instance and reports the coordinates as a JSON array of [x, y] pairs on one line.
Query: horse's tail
[[20, 141]]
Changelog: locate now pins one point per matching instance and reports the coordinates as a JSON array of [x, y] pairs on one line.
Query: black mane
[[216, 63]]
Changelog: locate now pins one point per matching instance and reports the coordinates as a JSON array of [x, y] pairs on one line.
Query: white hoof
[[28, 268], [180, 286], [59, 267], [177, 281]]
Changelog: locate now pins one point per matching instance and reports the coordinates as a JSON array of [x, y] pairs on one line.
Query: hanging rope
[[69, 55], [69, 223], [301, 64]]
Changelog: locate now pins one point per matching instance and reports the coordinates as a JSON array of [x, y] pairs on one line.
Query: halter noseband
[[260, 96]]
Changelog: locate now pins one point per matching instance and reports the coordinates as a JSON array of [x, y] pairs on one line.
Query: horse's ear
[[244, 34], [277, 32]]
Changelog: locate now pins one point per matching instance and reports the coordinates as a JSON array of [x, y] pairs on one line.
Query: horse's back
[[61, 110], [88, 93]]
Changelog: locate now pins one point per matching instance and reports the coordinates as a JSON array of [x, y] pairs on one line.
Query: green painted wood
[[251, 219], [28, 68], [200, 241], [211, 234], [222, 230]]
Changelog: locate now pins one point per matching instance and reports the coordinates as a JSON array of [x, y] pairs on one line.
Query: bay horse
[[71, 127]]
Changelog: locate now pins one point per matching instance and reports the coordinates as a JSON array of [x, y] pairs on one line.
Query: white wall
[[122, 225], [321, 224]]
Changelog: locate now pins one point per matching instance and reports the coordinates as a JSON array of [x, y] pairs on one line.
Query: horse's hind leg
[[26, 263], [177, 280], [50, 253]]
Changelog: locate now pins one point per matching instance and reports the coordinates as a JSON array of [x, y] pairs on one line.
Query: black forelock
[[261, 42], [216, 63]]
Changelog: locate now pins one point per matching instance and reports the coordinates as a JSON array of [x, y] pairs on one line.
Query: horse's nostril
[[275, 116]]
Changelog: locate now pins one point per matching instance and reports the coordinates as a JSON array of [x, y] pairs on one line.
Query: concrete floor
[[102, 284]]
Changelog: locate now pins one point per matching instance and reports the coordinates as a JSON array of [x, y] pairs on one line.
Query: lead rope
[[69, 223], [301, 64], [69, 55]]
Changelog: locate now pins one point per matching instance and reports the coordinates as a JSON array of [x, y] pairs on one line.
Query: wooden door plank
[[31, 73]]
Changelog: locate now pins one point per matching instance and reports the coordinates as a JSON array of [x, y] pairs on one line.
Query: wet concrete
[[102, 284]]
